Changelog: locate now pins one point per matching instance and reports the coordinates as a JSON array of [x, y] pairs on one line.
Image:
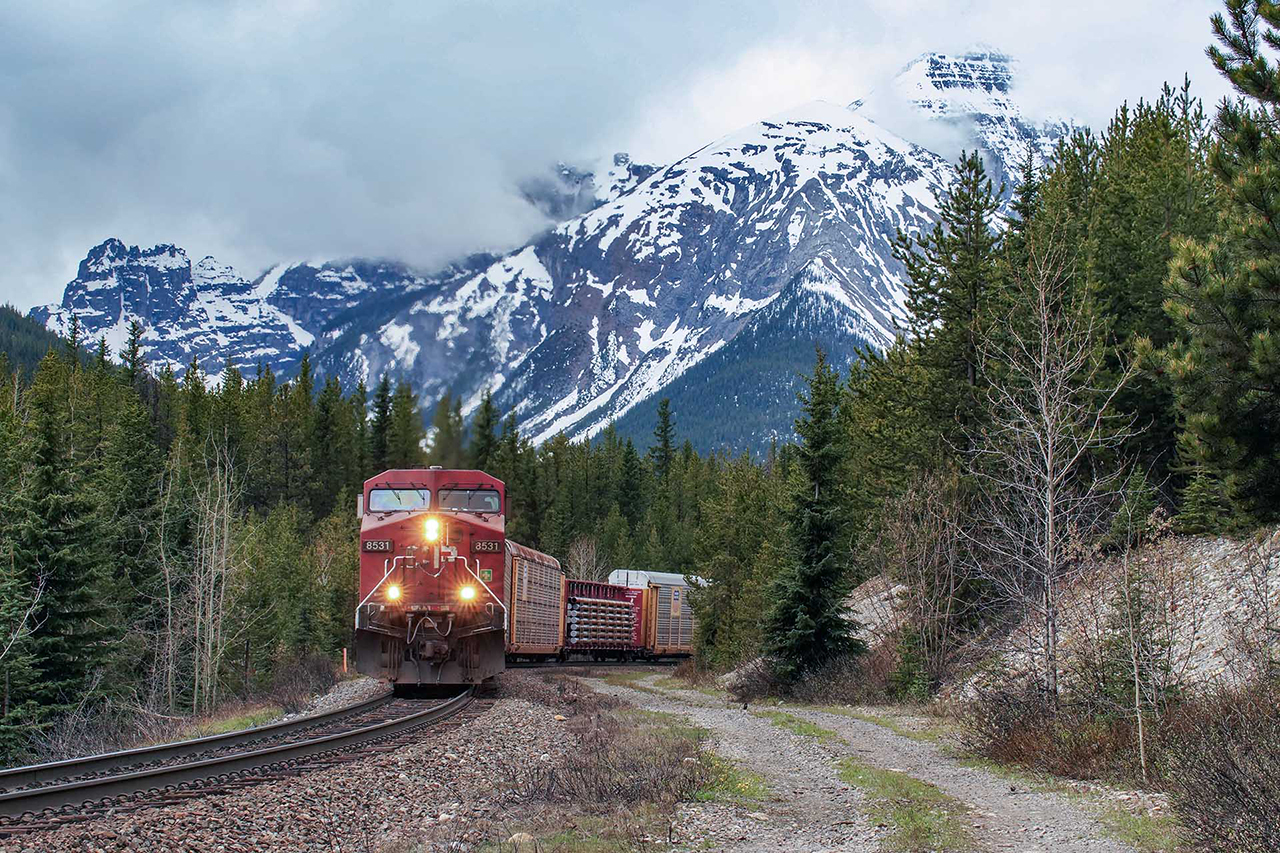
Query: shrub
[[1223, 769]]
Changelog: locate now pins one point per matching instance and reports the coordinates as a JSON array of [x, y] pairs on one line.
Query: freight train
[[446, 598]]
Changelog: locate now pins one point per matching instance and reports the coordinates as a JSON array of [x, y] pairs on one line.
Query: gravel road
[[814, 811]]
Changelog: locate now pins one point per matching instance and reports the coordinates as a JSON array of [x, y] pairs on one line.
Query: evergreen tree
[[448, 440], [632, 497], [807, 625], [379, 428], [331, 448], [55, 541], [405, 435], [1224, 292], [131, 358], [953, 274], [484, 441], [664, 435]]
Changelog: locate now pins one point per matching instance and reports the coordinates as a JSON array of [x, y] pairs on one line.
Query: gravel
[[340, 695], [810, 810], [814, 811], [454, 776]]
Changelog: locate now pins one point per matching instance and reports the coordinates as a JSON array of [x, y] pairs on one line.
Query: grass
[[675, 682], [919, 816], [246, 719], [795, 725], [730, 783], [927, 734], [631, 679], [1145, 832]]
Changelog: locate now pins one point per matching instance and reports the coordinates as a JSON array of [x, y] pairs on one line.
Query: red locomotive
[[446, 598]]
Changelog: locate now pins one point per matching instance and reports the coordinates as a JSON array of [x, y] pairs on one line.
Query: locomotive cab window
[[470, 500], [392, 500]]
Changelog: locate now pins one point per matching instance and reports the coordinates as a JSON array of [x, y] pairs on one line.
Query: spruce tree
[[808, 623], [56, 542], [379, 427], [131, 357], [405, 434], [953, 274], [484, 441], [664, 435]]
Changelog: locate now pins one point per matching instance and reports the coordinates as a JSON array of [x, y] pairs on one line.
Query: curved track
[[43, 796]]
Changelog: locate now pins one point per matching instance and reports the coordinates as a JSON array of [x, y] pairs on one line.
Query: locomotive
[[446, 598]]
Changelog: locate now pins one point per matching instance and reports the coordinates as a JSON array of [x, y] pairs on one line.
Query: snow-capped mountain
[[209, 312], [610, 307], [971, 97], [708, 280]]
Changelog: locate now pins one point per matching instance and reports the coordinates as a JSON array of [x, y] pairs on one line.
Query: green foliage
[[1224, 290], [953, 273], [807, 624]]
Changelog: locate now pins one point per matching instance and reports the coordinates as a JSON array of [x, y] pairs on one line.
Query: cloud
[[319, 129]]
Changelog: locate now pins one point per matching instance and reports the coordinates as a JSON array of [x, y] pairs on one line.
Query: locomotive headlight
[[431, 530], [467, 593], [393, 592]]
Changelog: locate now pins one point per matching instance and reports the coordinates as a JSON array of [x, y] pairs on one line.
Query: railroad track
[[48, 795], [602, 664]]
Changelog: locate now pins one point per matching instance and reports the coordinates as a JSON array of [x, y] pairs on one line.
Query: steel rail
[[88, 792], [601, 664], [43, 774]]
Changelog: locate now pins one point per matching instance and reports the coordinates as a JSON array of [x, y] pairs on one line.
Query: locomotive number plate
[[491, 546], [380, 545]]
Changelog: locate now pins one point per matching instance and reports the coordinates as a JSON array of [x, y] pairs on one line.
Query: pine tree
[[807, 625], [331, 448], [131, 358], [405, 435], [632, 498], [1152, 183], [55, 541], [447, 441], [1224, 293]]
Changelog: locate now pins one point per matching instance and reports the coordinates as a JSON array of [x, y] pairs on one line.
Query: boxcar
[[534, 589]]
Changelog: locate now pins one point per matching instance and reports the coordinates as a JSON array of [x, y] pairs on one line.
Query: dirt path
[[810, 808], [814, 811]]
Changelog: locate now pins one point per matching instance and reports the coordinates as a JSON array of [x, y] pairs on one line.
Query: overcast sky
[[309, 129]]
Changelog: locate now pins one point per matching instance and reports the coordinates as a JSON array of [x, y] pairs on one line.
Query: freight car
[[446, 598]]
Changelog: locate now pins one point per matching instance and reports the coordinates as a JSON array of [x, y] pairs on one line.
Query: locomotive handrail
[[506, 617], [385, 575]]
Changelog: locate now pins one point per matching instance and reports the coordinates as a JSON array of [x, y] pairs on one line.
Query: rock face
[[708, 280]]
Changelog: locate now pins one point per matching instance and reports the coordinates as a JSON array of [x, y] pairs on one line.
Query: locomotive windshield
[[391, 500], [470, 500]]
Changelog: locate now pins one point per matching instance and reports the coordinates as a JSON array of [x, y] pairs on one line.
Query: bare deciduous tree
[[23, 619], [1048, 411], [920, 545], [585, 561]]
